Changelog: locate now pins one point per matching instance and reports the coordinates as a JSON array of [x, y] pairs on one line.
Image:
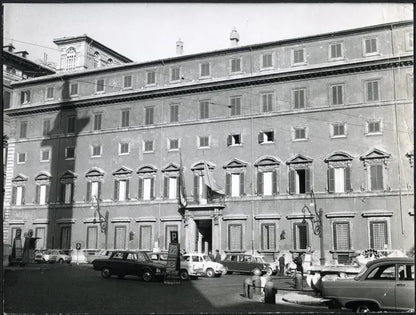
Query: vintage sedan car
[[186, 270], [50, 256], [210, 268], [383, 284], [245, 263], [122, 263]]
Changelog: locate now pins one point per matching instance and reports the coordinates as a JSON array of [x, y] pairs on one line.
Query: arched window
[[71, 58], [96, 59]]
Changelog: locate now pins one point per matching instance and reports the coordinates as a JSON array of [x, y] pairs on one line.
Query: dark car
[[245, 263], [122, 263]]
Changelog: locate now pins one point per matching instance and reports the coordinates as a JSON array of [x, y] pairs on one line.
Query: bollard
[[257, 284], [298, 281], [270, 293], [248, 283]]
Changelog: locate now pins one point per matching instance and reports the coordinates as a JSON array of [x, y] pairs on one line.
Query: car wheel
[[225, 272], [210, 273], [183, 274], [105, 273], [61, 261], [256, 272], [269, 271], [121, 276], [364, 308], [147, 276]]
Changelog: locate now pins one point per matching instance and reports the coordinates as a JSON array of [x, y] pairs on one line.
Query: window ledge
[[297, 64], [372, 134], [339, 137], [127, 88], [299, 140], [377, 53], [268, 142], [336, 58], [267, 68]]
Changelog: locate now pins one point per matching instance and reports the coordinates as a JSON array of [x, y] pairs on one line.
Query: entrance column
[[216, 230], [190, 228]]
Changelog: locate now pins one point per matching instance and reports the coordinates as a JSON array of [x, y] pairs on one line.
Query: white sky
[[144, 32]]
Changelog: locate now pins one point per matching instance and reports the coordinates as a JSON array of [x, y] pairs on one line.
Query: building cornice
[[363, 66]]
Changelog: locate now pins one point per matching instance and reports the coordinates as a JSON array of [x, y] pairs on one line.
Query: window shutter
[[88, 197], [335, 236], [307, 180], [272, 136], [371, 234], [331, 180], [127, 189], [152, 188], [47, 193], [116, 183], [228, 184], [22, 97], [260, 137], [23, 194], [72, 192], [37, 197], [292, 188], [99, 190], [14, 190], [165, 186], [196, 182], [347, 177], [242, 184], [140, 188], [62, 195], [274, 182], [369, 91], [229, 141], [259, 183]]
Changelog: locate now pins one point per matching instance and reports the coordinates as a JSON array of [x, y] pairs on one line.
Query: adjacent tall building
[[284, 127]]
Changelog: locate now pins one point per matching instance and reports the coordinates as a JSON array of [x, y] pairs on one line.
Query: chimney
[[179, 47], [45, 58], [23, 52], [10, 47], [234, 38]]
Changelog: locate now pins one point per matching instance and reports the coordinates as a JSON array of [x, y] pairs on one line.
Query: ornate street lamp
[[317, 224], [103, 220]]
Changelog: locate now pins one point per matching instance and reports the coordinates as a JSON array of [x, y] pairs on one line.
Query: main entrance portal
[[203, 239]]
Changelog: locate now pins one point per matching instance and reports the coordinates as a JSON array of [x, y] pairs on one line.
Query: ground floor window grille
[[301, 236], [92, 237], [341, 236], [145, 235], [41, 242], [65, 237], [268, 236], [378, 234], [120, 237], [235, 237]]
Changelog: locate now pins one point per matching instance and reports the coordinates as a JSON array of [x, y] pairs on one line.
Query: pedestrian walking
[[299, 262], [282, 265], [210, 255], [217, 256]]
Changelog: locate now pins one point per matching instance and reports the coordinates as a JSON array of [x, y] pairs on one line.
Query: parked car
[[186, 271], [201, 261], [383, 284], [50, 256], [39, 256], [79, 256], [246, 263], [267, 260], [122, 263]]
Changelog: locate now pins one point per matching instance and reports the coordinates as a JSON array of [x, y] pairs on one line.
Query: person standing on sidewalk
[[217, 256], [299, 262], [282, 265]]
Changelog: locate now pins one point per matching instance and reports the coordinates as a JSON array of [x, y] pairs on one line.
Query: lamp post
[[95, 205], [317, 224]]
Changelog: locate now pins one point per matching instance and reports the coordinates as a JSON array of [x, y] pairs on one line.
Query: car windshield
[[360, 274], [142, 256], [206, 258]]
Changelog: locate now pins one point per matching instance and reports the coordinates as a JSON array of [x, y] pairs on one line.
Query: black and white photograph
[[208, 158]]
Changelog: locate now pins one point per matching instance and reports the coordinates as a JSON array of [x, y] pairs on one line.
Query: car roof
[[391, 260]]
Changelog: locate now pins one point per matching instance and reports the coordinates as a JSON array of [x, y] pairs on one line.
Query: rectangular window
[[40, 233], [70, 153], [65, 237], [96, 150], [21, 158], [298, 55], [204, 109], [44, 155], [338, 129], [92, 237], [49, 92], [266, 137], [151, 77], [6, 99], [127, 82], [173, 187], [378, 234], [23, 129], [266, 61], [120, 237], [336, 51], [235, 105], [235, 237], [299, 98], [173, 144], [145, 234], [235, 185], [68, 192], [301, 236], [205, 70], [339, 179], [300, 134], [123, 190], [99, 85], [204, 142], [97, 121], [149, 115], [24, 97], [46, 127], [268, 236], [267, 183], [373, 91], [376, 177], [374, 126], [148, 188], [337, 95], [341, 236], [42, 194], [299, 181], [71, 124], [174, 112], [148, 146], [95, 190], [19, 195], [73, 90], [371, 45], [234, 139], [267, 102], [124, 148], [236, 65], [125, 118], [175, 74]]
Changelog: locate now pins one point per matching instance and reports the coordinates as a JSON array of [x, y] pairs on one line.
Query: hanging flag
[[182, 192], [210, 181]]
